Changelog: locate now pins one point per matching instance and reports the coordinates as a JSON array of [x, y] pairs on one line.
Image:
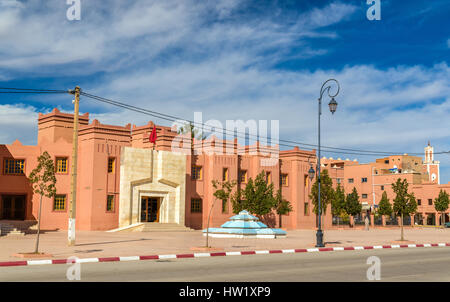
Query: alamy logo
[[374, 11], [255, 131], [74, 11], [374, 271]]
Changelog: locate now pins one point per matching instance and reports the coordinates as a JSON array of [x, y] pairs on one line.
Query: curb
[[214, 254]]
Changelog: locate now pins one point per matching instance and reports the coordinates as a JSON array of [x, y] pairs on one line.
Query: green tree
[[222, 192], [326, 193], [282, 206], [257, 196], [352, 205], [384, 206], [441, 204], [43, 181], [338, 203], [404, 202]]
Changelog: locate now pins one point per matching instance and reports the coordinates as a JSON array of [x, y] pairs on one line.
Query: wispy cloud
[[211, 56]]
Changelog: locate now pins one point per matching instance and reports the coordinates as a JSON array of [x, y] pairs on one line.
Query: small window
[[59, 203], [419, 202], [110, 203], [306, 209], [243, 176], [382, 188], [225, 174], [364, 179], [196, 172], [430, 202], [386, 161], [111, 165], [268, 177], [284, 180], [338, 180], [61, 165], [14, 166], [350, 180], [196, 205], [364, 195]]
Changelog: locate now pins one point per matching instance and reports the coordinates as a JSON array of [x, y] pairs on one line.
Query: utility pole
[[73, 180]]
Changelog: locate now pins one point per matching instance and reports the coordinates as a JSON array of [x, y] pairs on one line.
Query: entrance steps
[[164, 227], [7, 229], [17, 227]]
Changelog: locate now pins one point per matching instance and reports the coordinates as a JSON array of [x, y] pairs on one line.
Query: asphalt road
[[411, 264]]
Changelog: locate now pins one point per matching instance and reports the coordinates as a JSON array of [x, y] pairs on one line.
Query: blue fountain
[[245, 225]]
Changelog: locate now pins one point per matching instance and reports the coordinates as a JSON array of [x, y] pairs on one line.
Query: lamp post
[[332, 105]]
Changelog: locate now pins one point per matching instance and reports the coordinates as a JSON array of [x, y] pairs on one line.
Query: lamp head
[[311, 173], [333, 105]]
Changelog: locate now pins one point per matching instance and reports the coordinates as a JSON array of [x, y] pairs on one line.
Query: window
[[61, 165], [111, 164], [196, 172], [243, 176], [386, 161], [382, 188], [364, 195], [196, 205], [284, 180], [225, 174], [14, 166], [338, 180], [364, 179], [59, 203], [306, 209], [430, 202], [268, 177], [419, 202], [350, 180], [110, 203]]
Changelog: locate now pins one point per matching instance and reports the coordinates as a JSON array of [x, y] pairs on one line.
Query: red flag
[[153, 136]]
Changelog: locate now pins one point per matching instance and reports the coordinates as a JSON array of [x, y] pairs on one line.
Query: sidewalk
[[101, 244]]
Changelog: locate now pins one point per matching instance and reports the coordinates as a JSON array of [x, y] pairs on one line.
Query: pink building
[[101, 204], [372, 179], [122, 181]]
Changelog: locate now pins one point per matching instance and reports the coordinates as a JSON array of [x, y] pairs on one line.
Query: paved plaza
[[102, 244]]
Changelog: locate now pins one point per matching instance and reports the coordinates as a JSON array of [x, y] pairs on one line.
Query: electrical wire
[[287, 143]]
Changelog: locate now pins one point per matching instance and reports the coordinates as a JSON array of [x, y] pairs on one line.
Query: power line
[[287, 143], [172, 118], [23, 90]]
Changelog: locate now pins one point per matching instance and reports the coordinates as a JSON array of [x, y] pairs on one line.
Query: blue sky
[[238, 59]]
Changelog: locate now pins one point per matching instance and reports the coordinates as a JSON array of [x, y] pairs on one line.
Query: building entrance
[[150, 207], [12, 207]]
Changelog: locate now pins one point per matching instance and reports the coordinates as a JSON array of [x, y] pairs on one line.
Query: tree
[[43, 181], [404, 202], [338, 203], [282, 206], [257, 197], [384, 206], [326, 193], [222, 192], [352, 205], [441, 204]]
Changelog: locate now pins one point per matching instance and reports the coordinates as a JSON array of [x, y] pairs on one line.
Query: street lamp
[[332, 105]]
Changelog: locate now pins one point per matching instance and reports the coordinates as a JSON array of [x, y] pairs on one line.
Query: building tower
[[431, 164]]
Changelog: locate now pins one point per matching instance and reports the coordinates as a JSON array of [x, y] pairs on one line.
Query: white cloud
[[36, 34], [220, 68]]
